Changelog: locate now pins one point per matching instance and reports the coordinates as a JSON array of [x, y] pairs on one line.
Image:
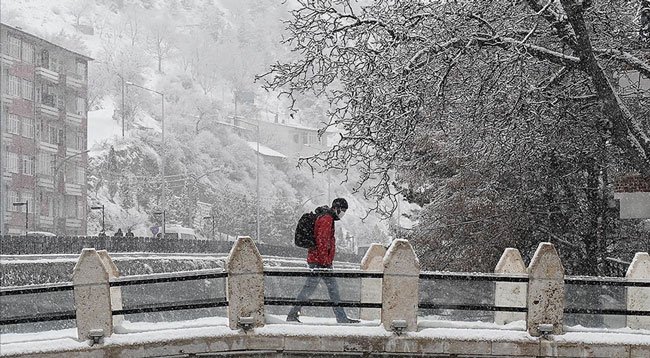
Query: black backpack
[[304, 236]]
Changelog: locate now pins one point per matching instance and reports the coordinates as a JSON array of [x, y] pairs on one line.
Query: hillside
[[203, 55]]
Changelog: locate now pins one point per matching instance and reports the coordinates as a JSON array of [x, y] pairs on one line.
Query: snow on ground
[[101, 126], [139, 332]]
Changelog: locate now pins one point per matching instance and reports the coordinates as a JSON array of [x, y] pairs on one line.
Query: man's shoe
[[293, 318], [348, 320]]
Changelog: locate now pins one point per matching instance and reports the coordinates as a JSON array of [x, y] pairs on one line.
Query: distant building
[[290, 140], [44, 134]]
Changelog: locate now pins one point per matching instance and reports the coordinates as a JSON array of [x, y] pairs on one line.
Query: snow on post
[[510, 294], [116, 292], [545, 298], [245, 286], [638, 298], [399, 298], [373, 260], [92, 298]]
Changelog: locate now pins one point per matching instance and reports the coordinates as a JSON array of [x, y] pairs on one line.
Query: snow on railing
[[390, 285]]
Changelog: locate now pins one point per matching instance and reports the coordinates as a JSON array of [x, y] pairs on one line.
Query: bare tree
[[501, 118]]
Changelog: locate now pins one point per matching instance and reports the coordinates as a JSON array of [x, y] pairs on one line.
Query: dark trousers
[[310, 286]]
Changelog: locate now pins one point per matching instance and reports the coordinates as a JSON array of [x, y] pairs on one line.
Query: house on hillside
[[43, 142], [290, 140]]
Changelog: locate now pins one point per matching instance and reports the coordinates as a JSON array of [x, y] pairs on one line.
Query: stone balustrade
[[543, 295], [538, 292]]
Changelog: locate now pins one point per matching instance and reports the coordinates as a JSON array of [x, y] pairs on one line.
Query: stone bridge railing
[[391, 282]]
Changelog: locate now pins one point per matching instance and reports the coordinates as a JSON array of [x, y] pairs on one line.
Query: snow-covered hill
[[203, 55]]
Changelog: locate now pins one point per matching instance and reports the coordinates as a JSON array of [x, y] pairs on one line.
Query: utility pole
[[122, 78], [162, 154]]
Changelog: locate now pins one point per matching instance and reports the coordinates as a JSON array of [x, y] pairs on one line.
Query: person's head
[[340, 206]]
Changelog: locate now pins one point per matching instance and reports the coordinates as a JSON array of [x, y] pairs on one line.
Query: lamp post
[[257, 174], [26, 205], [123, 85], [210, 217], [163, 221], [102, 209], [162, 156]]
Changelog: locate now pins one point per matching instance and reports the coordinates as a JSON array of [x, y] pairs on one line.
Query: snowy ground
[[136, 332]]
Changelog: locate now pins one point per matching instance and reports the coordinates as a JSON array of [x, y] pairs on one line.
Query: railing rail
[[32, 289], [96, 278], [167, 277]]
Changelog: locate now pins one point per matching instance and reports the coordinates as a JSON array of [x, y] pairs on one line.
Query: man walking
[[321, 257]]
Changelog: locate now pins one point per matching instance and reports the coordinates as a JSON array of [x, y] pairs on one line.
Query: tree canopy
[[505, 119]]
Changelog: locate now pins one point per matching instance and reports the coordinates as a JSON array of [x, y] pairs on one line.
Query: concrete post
[[638, 298], [545, 297], [510, 294], [92, 298], [245, 285], [116, 292], [373, 261], [399, 298]]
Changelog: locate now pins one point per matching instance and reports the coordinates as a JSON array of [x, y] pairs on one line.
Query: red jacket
[[323, 253]]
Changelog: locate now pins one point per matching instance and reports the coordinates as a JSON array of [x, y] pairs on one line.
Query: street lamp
[[210, 217], [257, 173], [102, 209], [162, 156], [26, 204], [163, 221]]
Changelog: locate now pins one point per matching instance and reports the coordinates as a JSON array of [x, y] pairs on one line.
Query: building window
[[26, 197], [81, 69], [81, 106], [13, 125], [14, 47], [28, 128], [45, 163], [28, 89], [46, 205], [48, 95], [28, 52], [28, 165], [81, 175], [74, 140], [12, 162], [71, 206], [12, 197], [14, 87], [49, 134]]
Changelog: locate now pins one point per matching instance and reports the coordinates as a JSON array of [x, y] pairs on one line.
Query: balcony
[[52, 148], [47, 74], [8, 59], [45, 182], [74, 118], [47, 107], [72, 223], [46, 221], [73, 189], [75, 82]]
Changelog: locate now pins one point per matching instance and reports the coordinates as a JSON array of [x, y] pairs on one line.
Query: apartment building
[[44, 135]]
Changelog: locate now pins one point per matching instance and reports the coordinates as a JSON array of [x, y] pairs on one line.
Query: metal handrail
[[605, 281], [56, 316], [167, 277], [475, 307], [30, 289], [339, 273], [187, 305], [279, 301], [472, 276]]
